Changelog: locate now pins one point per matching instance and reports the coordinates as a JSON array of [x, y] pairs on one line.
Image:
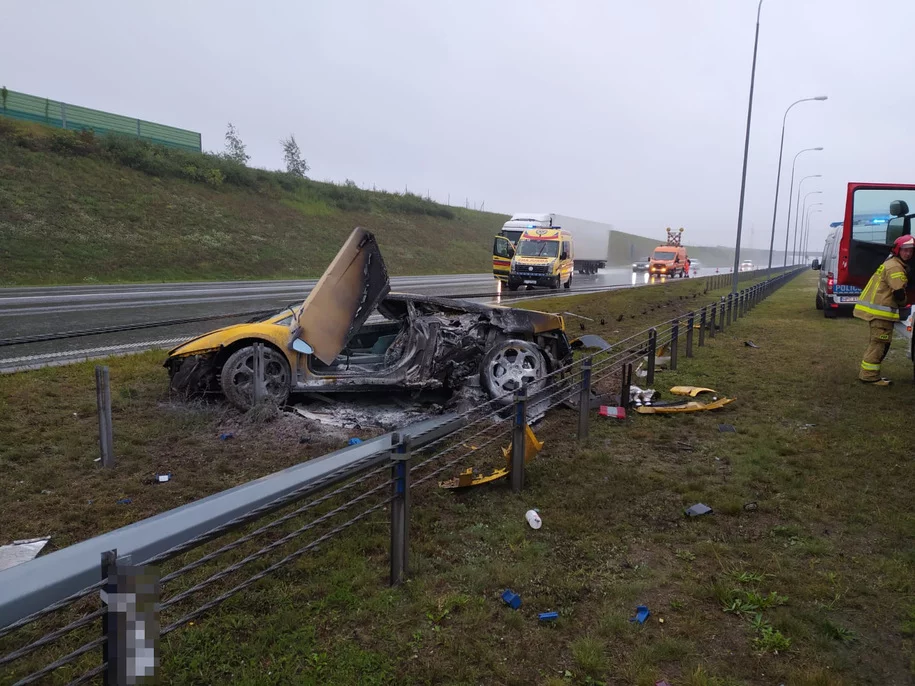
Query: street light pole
[[790, 198], [778, 175], [788, 220], [807, 222], [807, 233], [804, 205], [746, 150]]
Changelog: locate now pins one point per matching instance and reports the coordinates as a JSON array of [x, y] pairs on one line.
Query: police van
[[833, 297]]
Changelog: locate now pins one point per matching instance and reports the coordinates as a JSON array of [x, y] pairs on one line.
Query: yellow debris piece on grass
[[531, 446], [692, 391], [692, 406], [467, 478]]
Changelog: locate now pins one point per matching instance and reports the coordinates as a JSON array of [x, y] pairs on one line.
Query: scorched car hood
[[349, 290]]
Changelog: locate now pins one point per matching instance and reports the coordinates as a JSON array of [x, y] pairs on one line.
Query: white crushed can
[[533, 518]]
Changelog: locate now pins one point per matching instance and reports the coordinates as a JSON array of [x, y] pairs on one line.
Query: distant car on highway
[[695, 265], [746, 266], [641, 265]]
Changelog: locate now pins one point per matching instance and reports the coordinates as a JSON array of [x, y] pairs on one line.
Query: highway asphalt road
[[29, 311]]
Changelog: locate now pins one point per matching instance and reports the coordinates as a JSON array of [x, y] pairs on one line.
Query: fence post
[[109, 564], [518, 440], [738, 303], [722, 313], [130, 622], [626, 387], [400, 508], [690, 325], [259, 390], [702, 324], [584, 399], [674, 344], [713, 320], [105, 431], [652, 352]]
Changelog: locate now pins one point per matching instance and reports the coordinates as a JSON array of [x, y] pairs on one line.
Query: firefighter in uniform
[[879, 305]]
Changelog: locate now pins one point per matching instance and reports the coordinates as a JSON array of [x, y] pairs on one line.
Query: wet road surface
[[31, 311]]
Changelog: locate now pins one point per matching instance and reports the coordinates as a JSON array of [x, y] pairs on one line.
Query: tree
[[235, 149], [3, 96], [293, 156]]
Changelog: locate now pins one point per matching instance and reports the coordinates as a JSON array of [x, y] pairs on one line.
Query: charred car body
[[353, 334]]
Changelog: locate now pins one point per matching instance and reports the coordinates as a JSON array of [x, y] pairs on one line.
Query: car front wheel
[[237, 377]]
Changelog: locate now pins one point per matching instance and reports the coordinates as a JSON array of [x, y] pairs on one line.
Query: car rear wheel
[[819, 301], [508, 366], [237, 377]]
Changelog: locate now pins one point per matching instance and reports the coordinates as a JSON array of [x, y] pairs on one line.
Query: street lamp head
[[817, 148], [822, 97]]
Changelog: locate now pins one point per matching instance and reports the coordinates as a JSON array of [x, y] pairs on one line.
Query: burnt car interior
[[367, 350]]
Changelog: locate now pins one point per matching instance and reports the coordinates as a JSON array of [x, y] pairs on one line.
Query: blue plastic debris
[[513, 600], [641, 614], [548, 616], [355, 441], [226, 436], [124, 501]]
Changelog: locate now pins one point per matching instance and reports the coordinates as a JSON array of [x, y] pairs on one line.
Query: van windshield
[[534, 248], [512, 235], [665, 255]]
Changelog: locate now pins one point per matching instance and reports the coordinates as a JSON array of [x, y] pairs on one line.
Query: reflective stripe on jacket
[[876, 300]]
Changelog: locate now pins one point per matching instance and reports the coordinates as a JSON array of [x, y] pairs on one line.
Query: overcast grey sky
[[626, 112]]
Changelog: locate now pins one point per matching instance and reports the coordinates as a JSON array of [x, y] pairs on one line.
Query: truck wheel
[[512, 286], [819, 301], [237, 377], [568, 284], [508, 366], [555, 285]]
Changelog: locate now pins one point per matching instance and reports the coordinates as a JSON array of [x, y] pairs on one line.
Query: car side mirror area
[[899, 208], [815, 265]]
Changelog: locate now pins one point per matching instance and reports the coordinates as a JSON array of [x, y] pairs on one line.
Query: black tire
[[555, 285], [512, 286], [568, 284], [819, 301], [510, 364], [237, 377]]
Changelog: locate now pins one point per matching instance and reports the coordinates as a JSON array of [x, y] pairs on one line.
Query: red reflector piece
[[614, 412]]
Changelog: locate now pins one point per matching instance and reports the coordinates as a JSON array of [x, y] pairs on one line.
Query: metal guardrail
[[51, 608]]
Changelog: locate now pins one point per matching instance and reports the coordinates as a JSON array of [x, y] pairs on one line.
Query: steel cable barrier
[[112, 628]]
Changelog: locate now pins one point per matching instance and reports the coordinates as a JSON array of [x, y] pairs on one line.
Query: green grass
[[119, 210], [825, 558]]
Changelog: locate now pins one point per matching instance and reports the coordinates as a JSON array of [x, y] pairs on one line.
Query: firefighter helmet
[[903, 242]]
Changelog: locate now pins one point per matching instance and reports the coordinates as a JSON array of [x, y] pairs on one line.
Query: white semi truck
[[591, 240]]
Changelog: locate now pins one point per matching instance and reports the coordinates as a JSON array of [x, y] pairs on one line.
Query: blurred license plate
[[530, 281], [848, 298]]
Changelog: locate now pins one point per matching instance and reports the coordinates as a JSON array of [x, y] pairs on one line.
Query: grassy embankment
[[75, 208], [812, 586]]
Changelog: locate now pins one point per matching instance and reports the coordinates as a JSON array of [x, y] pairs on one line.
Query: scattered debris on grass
[[727, 428], [533, 518], [513, 600], [548, 616], [641, 614], [612, 412], [21, 551], [750, 344], [697, 510]]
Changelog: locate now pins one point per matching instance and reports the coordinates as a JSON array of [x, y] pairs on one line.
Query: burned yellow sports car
[[353, 334]]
